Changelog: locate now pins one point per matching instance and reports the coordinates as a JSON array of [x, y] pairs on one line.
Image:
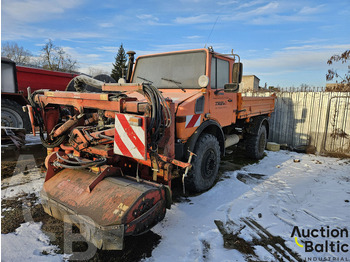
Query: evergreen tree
[[120, 64]]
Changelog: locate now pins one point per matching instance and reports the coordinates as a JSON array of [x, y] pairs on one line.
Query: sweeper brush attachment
[[107, 210]]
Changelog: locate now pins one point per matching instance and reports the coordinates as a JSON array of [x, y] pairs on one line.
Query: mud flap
[[116, 207]]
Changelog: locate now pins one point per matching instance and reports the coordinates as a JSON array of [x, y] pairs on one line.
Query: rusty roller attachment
[[106, 207]]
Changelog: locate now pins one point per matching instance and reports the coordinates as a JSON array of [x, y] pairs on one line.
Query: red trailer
[[14, 82], [41, 79]]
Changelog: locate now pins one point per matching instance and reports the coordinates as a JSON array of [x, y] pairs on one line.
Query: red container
[[41, 79]]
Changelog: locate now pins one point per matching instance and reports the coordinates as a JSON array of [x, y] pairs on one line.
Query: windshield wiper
[[149, 81], [175, 82]]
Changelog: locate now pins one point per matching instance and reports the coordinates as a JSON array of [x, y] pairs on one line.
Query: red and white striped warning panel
[[193, 121], [130, 136]]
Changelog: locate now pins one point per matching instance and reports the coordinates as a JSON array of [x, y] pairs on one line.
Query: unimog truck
[[113, 154]]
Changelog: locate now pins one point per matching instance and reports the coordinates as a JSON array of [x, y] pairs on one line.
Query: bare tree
[[16, 53], [344, 83], [55, 58]]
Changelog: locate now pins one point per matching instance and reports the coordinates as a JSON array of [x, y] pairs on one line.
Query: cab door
[[222, 104]]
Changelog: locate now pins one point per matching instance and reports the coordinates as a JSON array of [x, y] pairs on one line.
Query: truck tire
[[12, 115], [255, 144], [205, 164]]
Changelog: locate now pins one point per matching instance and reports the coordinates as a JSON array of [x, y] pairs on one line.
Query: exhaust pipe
[[130, 65]]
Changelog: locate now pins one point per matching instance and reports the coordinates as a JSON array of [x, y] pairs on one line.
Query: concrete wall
[[249, 83], [316, 119]]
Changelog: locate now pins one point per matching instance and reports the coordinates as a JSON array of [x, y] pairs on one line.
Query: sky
[[284, 43]]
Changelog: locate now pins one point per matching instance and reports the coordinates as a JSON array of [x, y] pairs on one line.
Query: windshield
[[177, 70]]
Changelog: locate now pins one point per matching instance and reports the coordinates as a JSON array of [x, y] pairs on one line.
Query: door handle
[[218, 91]]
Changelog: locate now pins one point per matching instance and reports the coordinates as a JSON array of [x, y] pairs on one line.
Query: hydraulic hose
[[78, 164], [40, 122], [160, 115], [55, 143]]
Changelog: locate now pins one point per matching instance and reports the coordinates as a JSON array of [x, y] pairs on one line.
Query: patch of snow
[[187, 224], [28, 243], [6, 209], [309, 194], [263, 254], [20, 184]]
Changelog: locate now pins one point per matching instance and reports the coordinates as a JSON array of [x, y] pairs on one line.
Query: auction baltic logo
[[323, 239]]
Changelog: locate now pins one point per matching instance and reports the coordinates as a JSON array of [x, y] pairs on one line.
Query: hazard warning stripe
[[131, 134], [121, 146], [192, 121], [125, 139], [130, 140]]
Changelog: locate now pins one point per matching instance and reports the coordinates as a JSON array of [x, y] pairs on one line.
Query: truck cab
[[204, 85], [200, 74]]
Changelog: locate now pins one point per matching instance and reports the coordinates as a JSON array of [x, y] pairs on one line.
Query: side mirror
[[231, 87], [237, 72]]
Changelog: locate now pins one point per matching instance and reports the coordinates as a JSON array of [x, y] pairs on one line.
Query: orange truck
[[113, 154]]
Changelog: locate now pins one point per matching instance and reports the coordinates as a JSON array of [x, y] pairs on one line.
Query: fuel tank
[[115, 207]]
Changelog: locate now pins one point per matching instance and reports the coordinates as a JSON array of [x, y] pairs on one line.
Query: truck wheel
[[205, 164], [12, 115], [255, 144]]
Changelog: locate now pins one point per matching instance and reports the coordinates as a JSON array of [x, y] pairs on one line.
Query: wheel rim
[[10, 118], [209, 163]]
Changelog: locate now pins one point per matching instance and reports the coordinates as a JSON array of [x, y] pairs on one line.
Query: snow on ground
[[309, 194], [277, 193], [28, 243], [22, 183]]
